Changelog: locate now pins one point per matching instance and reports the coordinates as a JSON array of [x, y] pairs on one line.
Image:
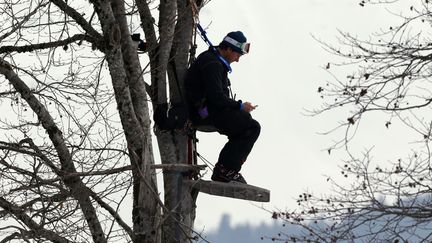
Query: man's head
[[233, 45]]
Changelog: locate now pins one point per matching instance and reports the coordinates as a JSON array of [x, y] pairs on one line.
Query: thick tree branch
[[30, 48], [147, 24], [167, 19], [71, 12]]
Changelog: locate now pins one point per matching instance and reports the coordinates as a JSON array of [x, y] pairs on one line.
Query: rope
[[206, 161], [213, 48], [195, 16], [194, 8], [192, 58], [192, 51]]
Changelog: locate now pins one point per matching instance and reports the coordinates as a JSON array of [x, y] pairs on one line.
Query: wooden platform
[[231, 189], [179, 167]]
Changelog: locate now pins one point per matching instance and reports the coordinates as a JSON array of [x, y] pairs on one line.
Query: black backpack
[[171, 116]]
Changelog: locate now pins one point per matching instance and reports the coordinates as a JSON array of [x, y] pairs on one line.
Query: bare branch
[[41, 46], [20, 214], [18, 25], [71, 12], [56, 137]]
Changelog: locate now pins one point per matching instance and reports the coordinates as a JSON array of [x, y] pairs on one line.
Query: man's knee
[[254, 129]]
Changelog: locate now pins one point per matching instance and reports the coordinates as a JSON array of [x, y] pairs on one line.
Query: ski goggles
[[243, 47]]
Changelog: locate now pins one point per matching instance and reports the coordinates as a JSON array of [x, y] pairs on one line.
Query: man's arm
[[213, 76]]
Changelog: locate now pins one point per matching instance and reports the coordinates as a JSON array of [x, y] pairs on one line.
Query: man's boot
[[222, 174]]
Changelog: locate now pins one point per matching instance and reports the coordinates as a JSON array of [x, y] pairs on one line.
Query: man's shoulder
[[207, 56], [208, 59]]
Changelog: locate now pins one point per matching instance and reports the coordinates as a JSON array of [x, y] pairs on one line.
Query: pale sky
[[281, 74]]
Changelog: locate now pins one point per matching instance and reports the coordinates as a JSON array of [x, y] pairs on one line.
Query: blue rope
[[206, 40]]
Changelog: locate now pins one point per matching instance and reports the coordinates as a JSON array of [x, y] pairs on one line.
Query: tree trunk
[[173, 145], [106, 30], [173, 151], [130, 95]]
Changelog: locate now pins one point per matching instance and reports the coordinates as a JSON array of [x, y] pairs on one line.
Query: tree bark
[[173, 144], [124, 68]]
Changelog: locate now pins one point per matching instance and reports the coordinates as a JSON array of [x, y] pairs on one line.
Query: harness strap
[[206, 40]]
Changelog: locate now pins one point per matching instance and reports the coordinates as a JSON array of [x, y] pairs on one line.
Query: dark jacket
[[206, 84]]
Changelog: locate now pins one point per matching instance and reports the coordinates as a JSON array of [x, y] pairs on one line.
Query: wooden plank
[[179, 167], [231, 189]]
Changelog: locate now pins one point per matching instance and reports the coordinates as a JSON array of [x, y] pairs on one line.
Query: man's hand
[[248, 107]]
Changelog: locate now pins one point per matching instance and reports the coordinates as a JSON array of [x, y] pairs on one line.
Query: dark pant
[[242, 132]]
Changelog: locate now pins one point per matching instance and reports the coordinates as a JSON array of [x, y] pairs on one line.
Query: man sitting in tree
[[210, 101]]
